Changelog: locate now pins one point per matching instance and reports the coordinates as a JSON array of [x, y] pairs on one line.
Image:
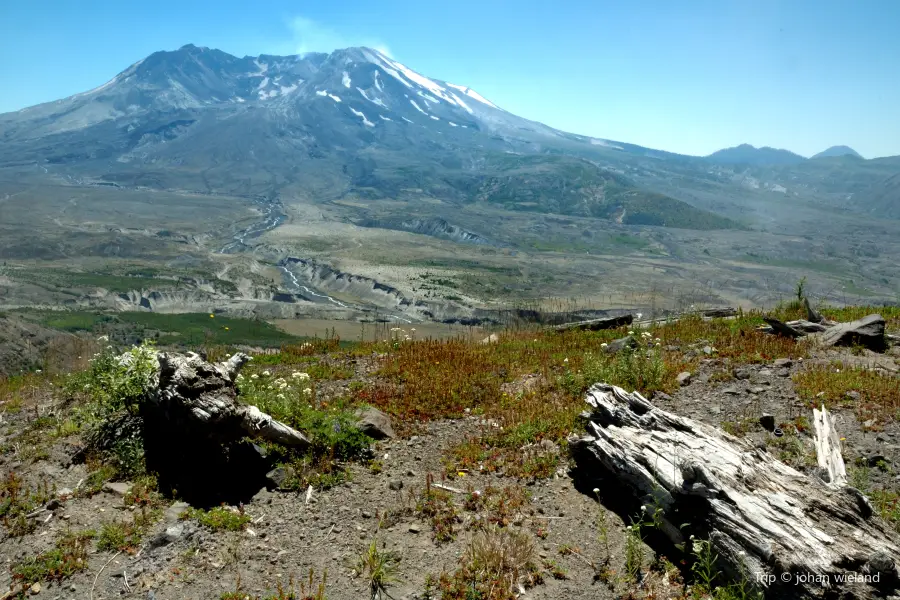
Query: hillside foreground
[[473, 496]]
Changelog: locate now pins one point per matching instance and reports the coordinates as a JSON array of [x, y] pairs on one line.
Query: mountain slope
[[353, 123]]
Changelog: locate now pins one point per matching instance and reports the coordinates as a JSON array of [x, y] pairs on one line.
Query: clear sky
[[687, 76]]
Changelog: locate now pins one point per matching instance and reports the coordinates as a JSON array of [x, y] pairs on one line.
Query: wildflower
[[843, 439], [226, 329], [254, 376], [37, 371], [103, 338], [212, 316], [280, 396], [412, 328], [461, 473], [298, 375], [565, 360], [604, 345], [596, 490], [656, 340], [307, 390], [266, 373], [631, 333]]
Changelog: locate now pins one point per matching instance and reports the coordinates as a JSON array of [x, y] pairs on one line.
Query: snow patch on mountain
[[606, 143], [346, 80], [384, 118], [473, 94], [263, 83], [325, 93], [413, 102], [452, 124], [378, 82], [372, 100], [434, 117], [365, 121]]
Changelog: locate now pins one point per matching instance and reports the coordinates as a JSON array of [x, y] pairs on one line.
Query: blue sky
[[686, 76]]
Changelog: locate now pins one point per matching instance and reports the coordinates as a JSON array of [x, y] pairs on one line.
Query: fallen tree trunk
[[781, 328], [596, 324], [791, 535]]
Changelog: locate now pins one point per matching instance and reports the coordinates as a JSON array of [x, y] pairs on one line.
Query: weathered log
[[719, 312], [766, 521], [596, 324], [812, 315], [868, 332], [804, 326], [781, 328], [828, 447]]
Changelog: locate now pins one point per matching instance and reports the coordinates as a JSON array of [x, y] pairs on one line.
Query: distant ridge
[[750, 155], [838, 151]]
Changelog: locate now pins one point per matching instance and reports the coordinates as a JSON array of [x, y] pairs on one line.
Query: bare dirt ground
[[579, 545]]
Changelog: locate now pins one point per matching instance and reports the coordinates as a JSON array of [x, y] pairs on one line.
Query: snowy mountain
[[354, 122]]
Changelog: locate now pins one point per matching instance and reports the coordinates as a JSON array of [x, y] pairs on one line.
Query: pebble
[[414, 528], [396, 485], [684, 378], [36, 588]]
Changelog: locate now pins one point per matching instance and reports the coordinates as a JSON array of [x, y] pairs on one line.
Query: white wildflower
[[266, 373], [254, 376], [631, 333], [604, 345], [103, 338], [639, 315], [307, 390]]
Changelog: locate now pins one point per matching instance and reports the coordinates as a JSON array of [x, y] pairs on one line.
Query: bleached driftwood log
[[828, 447], [763, 518]]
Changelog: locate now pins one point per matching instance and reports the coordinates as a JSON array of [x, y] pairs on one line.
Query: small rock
[[366, 514], [117, 487], [715, 409], [620, 344], [731, 390], [491, 339], [767, 421], [684, 378], [765, 373], [783, 363], [374, 423], [757, 390], [174, 512], [396, 485], [173, 533], [277, 477], [742, 373], [53, 504], [64, 492], [36, 588], [414, 528], [658, 395], [853, 395], [708, 350]]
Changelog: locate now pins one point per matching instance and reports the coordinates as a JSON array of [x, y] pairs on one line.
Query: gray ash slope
[[353, 123]]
